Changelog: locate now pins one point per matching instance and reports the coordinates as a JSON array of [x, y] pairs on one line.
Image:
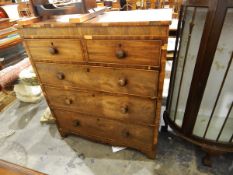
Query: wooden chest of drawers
[[103, 80]]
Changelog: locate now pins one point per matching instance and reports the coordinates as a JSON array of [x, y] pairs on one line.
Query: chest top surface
[[162, 16], [119, 18]]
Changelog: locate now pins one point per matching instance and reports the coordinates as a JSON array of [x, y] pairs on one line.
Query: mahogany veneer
[[103, 79]]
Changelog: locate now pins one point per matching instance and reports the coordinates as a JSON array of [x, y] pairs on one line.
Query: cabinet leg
[[164, 128], [63, 134], [150, 153], [206, 160]]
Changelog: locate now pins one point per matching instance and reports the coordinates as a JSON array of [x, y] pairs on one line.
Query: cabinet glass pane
[[227, 130], [219, 68], [186, 61]]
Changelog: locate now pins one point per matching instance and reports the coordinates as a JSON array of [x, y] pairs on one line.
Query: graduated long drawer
[[109, 131], [117, 80], [119, 107]]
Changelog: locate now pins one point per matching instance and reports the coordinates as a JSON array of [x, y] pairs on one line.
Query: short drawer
[[116, 80], [118, 132], [120, 107], [68, 50], [132, 52]]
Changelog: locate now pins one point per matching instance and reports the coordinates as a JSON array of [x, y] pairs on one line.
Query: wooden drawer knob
[[124, 109], [76, 123], [122, 81], [53, 50], [126, 134], [68, 101], [120, 54], [60, 75]]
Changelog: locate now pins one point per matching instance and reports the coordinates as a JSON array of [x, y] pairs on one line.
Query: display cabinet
[[199, 106]]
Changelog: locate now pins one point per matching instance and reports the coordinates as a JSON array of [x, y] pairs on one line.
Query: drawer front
[[121, 107], [119, 132], [55, 49], [132, 52], [128, 81]]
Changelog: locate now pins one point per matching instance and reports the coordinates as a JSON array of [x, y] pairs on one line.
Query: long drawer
[[68, 50], [132, 52], [120, 107], [116, 80], [118, 132]]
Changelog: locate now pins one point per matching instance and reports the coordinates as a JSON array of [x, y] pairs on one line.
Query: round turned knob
[[68, 101], [126, 133], [77, 123], [124, 109], [120, 54], [122, 81], [53, 50], [60, 76]]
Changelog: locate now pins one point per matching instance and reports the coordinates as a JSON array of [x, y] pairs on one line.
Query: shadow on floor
[[174, 157]]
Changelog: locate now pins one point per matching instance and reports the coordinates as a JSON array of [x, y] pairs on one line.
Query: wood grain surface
[[105, 82], [7, 168], [98, 78], [142, 52], [121, 107], [67, 49], [116, 132]]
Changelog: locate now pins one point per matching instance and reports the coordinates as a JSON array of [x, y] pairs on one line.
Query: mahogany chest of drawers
[[103, 79]]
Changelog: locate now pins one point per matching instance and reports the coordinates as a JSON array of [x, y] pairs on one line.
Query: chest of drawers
[[103, 80]]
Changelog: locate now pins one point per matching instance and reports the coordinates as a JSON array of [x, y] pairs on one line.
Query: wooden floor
[[6, 99], [7, 168]]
